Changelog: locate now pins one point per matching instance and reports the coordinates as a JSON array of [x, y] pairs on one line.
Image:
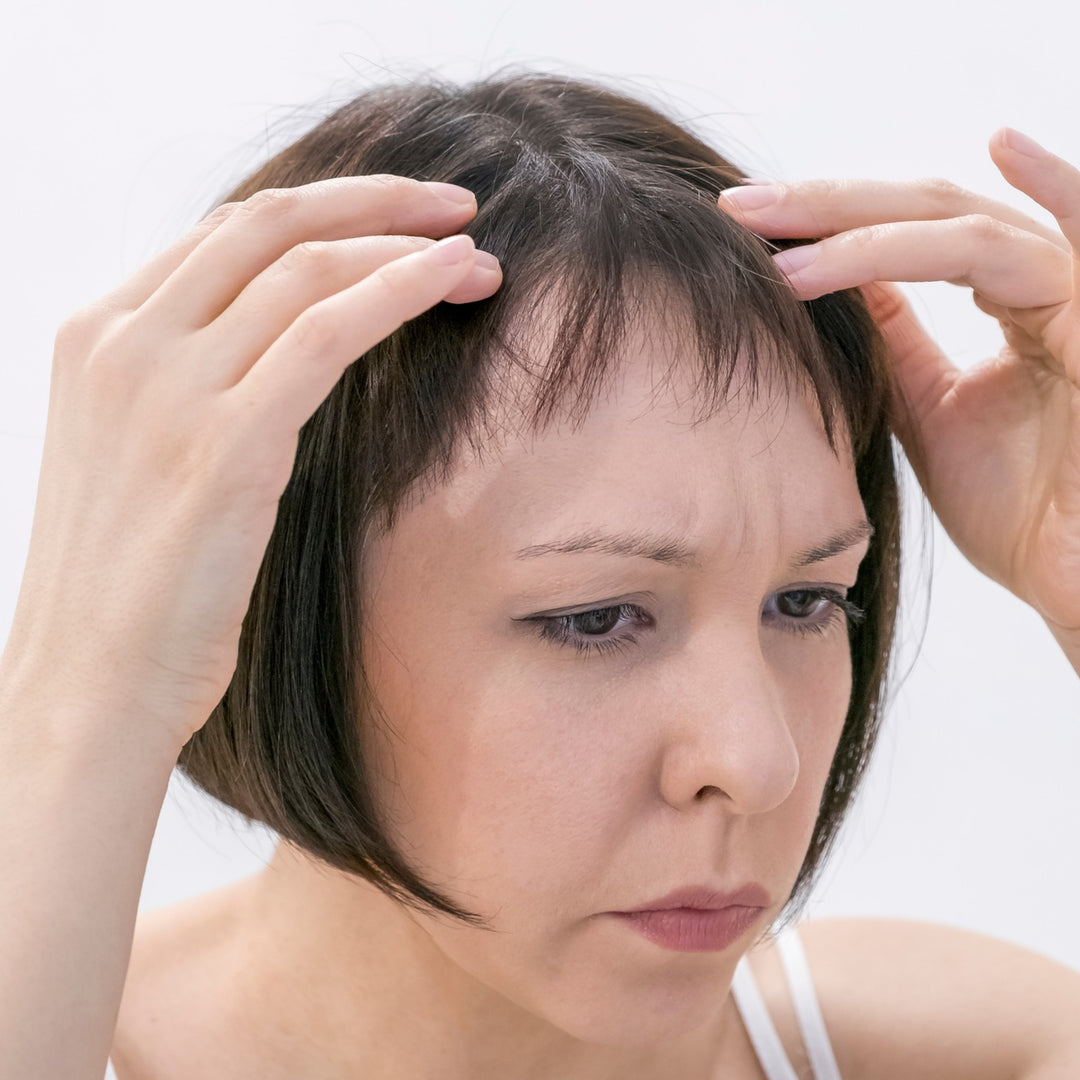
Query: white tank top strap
[[759, 1025], [807, 1010], [110, 1072]]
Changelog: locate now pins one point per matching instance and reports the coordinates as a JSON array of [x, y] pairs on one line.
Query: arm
[[79, 815]]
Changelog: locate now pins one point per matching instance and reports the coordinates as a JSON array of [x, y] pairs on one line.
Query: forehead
[[756, 467]]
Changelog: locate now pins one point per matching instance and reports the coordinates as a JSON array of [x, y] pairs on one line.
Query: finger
[[921, 374], [305, 275], [816, 208], [141, 285], [1007, 265], [1023, 333], [288, 383], [262, 228], [1051, 181]]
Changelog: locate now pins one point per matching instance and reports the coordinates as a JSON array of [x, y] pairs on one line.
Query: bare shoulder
[[174, 1004], [904, 998]]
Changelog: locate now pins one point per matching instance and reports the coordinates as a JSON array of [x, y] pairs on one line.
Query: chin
[[640, 1011]]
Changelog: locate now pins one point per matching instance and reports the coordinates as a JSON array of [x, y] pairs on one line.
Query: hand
[[996, 447], [174, 415]]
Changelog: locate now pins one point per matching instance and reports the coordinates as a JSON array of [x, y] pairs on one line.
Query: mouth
[[704, 898], [698, 918], [693, 929]]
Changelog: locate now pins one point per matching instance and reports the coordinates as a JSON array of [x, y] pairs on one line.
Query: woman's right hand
[[174, 414]]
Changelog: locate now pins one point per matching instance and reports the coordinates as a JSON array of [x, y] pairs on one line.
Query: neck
[[346, 977]]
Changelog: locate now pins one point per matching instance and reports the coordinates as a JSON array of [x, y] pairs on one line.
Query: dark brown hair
[[602, 201]]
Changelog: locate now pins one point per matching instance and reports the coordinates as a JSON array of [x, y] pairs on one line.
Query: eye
[[812, 611], [605, 629]]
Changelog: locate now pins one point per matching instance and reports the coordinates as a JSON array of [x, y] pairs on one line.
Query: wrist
[[44, 721]]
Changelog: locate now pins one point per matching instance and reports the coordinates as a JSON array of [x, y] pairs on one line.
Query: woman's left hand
[[996, 446]]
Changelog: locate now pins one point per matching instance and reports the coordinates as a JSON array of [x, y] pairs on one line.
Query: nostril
[[708, 790]]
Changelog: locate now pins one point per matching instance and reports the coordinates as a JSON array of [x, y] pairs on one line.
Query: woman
[[550, 635]]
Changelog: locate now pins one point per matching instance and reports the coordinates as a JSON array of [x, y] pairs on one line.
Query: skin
[[208, 361], [996, 446], [544, 786], [174, 409], [996, 450]]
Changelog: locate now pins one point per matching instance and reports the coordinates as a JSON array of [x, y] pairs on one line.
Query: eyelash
[[558, 628]]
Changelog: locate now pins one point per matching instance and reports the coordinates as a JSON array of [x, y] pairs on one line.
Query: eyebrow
[[671, 550], [674, 551], [854, 534]]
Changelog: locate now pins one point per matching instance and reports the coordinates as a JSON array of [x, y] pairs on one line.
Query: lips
[[692, 929], [704, 898], [698, 918]]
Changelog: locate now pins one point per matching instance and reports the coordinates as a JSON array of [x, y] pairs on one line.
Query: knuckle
[[983, 226], [309, 259], [108, 348], [220, 213], [393, 280], [213, 221], [390, 181], [812, 195], [272, 204], [401, 290], [84, 328], [406, 245], [314, 332], [76, 331], [869, 236], [942, 194], [829, 188]]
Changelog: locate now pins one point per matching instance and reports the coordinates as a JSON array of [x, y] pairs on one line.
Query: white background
[[123, 121]]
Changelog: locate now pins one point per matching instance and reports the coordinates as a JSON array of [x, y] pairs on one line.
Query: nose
[[726, 732]]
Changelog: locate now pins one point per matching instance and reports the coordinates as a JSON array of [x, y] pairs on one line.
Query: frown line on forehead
[[675, 550]]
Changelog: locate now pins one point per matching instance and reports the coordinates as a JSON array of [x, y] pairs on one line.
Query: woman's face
[[546, 767]]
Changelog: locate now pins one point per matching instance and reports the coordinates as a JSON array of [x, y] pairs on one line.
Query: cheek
[[813, 674], [818, 704], [499, 777], [817, 692]]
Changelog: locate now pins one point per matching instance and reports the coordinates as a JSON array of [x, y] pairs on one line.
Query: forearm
[[79, 813]]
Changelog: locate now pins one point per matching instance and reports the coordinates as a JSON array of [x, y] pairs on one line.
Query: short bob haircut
[[604, 204]]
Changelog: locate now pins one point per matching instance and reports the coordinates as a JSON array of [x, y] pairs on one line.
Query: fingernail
[[486, 261], [459, 196], [753, 197], [797, 258], [453, 249], [1022, 144]]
